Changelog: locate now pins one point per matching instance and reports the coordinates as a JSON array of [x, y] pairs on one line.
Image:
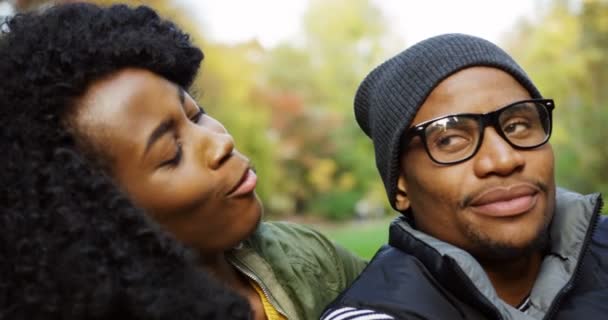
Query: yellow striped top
[[271, 312]]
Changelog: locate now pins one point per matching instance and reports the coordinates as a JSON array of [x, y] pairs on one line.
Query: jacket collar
[[570, 231]]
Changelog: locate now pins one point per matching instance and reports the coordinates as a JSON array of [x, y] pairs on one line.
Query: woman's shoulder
[[283, 231], [291, 240], [297, 246], [307, 264]]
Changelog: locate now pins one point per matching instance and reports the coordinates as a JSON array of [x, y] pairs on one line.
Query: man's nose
[[496, 156]]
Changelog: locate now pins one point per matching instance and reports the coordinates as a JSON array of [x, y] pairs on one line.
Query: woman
[[73, 247], [104, 92]]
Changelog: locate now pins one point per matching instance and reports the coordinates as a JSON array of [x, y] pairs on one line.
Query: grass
[[360, 237]]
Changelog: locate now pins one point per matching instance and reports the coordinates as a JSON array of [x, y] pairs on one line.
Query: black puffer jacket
[[416, 276]]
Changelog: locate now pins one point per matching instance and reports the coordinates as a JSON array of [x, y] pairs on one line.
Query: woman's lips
[[246, 185], [505, 202]]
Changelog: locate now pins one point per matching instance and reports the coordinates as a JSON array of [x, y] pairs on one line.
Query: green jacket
[[299, 269]]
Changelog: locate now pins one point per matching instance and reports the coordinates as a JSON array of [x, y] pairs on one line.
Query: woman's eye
[[174, 162], [197, 117]]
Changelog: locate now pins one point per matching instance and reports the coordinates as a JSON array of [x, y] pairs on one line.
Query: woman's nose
[[221, 150], [216, 144]]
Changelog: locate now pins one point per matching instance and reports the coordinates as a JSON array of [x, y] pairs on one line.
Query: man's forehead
[[471, 90]]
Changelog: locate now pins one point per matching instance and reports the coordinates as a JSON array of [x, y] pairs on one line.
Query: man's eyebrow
[[163, 128]]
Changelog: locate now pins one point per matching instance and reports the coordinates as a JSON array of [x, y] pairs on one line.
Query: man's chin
[[490, 251]]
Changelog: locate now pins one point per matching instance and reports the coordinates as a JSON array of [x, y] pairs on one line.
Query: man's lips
[[245, 185], [505, 201]]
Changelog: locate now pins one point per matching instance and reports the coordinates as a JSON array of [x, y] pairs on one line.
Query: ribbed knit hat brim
[[389, 97]]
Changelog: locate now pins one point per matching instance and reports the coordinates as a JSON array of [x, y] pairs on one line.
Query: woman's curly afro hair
[[72, 245]]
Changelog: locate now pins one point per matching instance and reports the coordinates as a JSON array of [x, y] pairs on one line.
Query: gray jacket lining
[[569, 227]]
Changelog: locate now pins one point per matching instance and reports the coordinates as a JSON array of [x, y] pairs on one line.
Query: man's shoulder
[[396, 283], [600, 236], [566, 197], [395, 272], [591, 288]]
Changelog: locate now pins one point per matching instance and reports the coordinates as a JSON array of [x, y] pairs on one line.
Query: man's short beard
[[489, 251]]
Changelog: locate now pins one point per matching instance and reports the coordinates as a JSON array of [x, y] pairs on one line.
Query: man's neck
[[514, 280]]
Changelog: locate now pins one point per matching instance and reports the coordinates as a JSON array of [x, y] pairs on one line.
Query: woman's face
[[171, 158]]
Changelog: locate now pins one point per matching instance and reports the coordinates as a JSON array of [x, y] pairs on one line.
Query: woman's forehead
[[125, 93], [122, 109]]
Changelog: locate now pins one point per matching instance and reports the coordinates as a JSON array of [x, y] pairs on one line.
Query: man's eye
[[451, 142], [174, 162], [516, 127]]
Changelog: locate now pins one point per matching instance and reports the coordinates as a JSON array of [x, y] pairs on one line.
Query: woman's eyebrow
[[163, 128], [167, 125], [181, 94]]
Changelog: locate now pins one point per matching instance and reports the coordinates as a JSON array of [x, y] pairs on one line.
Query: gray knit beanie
[[389, 97]]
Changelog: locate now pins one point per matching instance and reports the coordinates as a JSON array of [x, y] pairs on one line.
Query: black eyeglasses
[[456, 138]]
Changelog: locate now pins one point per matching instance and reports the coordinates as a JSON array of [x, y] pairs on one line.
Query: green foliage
[[227, 90], [566, 53], [329, 161], [289, 108], [336, 205], [363, 238]]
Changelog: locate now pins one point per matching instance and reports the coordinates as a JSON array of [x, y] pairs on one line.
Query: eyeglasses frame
[[485, 119]]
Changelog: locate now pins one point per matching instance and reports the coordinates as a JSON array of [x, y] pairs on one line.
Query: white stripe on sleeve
[[348, 313], [333, 313], [377, 316]]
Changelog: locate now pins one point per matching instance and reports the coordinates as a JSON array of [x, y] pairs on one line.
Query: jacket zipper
[[594, 220], [263, 287], [472, 288]]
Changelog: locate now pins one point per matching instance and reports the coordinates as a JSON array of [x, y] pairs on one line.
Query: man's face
[[499, 203]]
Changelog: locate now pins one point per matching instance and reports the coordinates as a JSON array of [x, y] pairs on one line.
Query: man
[[461, 142]]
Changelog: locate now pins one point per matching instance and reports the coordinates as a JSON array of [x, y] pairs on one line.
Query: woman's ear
[[402, 202]]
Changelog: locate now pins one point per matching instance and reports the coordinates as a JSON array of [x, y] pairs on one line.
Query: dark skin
[[445, 199], [177, 163]]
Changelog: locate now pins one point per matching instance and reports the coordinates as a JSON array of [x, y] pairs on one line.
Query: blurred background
[[281, 76]]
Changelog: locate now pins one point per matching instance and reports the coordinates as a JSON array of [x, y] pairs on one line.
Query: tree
[[225, 87], [566, 53], [328, 161], [290, 109]]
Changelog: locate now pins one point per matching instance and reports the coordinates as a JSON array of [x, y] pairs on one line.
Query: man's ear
[[402, 202]]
